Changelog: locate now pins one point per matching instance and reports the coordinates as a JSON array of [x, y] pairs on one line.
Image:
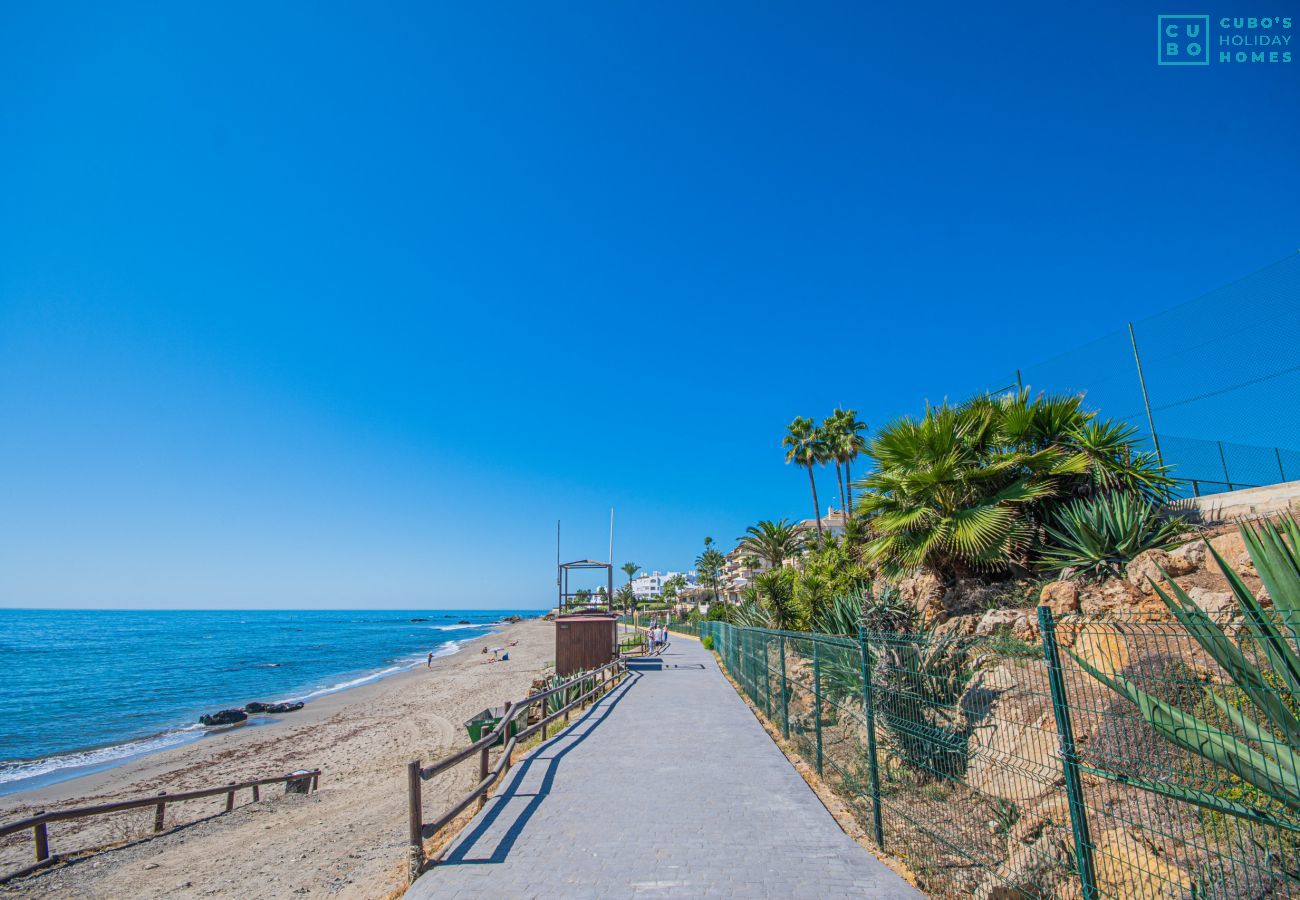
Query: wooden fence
[[597, 681], [306, 781]]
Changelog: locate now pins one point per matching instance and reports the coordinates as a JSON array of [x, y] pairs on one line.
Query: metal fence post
[[415, 821], [817, 701], [785, 696], [1223, 460], [869, 710], [767, 675], [1069, 759]]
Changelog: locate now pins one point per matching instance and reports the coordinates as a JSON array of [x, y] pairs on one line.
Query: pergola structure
[[592, 601]]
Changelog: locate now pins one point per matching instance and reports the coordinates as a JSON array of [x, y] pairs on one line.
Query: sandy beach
[[347, 840]]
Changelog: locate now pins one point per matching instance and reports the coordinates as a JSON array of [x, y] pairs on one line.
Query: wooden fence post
[[42, 839], [415, 820], [160, 812]]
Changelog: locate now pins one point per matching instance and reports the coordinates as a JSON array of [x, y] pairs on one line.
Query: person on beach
[[429, 662]]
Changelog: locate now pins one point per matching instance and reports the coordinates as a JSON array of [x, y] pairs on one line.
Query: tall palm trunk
[[839, 476], [848, 480], [817, 507]]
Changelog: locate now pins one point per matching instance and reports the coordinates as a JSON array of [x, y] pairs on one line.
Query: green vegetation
[[707, 642], [1100, 534], [964, 490], [773, 542], [709, 567], [806, 448], [1266, 755]]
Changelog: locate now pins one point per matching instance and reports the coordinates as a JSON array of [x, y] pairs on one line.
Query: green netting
[[992, 774]]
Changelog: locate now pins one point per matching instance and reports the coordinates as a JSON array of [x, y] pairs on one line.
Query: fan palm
[[806, 448], [845, 440], [965, 488], [773, 542]]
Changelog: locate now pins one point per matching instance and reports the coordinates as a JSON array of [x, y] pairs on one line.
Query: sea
[[85, 690]]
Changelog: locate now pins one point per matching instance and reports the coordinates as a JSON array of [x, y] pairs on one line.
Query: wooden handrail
[[420, 831], [40, 834]]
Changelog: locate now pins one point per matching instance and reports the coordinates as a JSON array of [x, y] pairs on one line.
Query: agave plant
[[1265, 752], [1100, 534], [918, 682], [842, 616]]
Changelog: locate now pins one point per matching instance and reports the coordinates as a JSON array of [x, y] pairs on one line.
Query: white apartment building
[[650, 586]]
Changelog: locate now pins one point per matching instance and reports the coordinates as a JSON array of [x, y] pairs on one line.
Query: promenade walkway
[[668, 787]]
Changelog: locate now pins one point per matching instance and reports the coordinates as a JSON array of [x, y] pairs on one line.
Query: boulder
[[957, 627], [996, 620], [924, 592], [1147, 567], [1025, 628], [1061, 597], [256, 707], [1135, 867], [1232, 548], [1102, 646], [1216, 603], [1112, 596], [224, 717], [1188, 558]]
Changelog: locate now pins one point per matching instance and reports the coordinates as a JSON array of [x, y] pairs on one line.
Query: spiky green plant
[[1265, 752], [1100, 534], [842, 616], [776, 592]]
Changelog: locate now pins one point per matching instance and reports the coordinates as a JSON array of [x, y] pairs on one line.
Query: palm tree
[[774, 542], [806, 448], [831, 434], [630, 569], [709, 564], [848, 443], [967, 488]]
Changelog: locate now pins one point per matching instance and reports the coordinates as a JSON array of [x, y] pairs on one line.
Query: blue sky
[[335, 305]]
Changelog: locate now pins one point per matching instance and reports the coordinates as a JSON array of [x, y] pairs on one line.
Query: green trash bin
[[487, 721]]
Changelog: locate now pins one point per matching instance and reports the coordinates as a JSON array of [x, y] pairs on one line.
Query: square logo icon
[[1182, 40]]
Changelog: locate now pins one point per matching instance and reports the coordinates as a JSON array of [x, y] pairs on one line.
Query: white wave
[[17, 770], [459, 627]]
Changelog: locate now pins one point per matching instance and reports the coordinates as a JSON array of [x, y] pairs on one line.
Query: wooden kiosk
[[586, 628]]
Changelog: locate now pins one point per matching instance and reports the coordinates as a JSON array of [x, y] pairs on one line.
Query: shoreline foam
[[21, 775]]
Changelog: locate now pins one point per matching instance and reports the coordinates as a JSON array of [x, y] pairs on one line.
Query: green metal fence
[[996, 768]]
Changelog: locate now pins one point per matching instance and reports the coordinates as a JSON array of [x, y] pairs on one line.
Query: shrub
[[1260, 740], [707, 642], [1100, 534], [962, 489]]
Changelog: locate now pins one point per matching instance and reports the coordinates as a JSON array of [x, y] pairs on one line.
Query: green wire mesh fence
[[996, 767]]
